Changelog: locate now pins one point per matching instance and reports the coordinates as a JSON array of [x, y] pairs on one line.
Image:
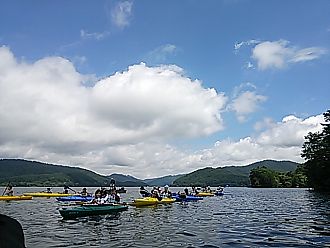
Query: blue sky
[[267, 61]]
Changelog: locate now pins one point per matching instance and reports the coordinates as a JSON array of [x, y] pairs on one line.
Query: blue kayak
[[180, 198], [79, 198], [219, 193]]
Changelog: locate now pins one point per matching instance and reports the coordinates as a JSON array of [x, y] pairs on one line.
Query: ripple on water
[[243, 218]]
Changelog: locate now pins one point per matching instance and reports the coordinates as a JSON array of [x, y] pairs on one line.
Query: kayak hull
[[77, 198], [187, 198], [149, 201], [44, 194], [204, 194], [15, 198], [90, 210]]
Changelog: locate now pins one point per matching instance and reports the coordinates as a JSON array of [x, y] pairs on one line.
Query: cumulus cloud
[[123, 123], [121, 14], [276, 140], [279, 141], [48, 114], [278, 54], [290, 132], [245, 101]]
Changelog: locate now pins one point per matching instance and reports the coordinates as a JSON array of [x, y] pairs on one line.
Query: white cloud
[[97, 36], [290, 132], [246, 103], [122, 123], [249, 65], [278, 54], [121, 14], [280, 141], [238, 45], [48, 114], [307, 54], [162, 53]]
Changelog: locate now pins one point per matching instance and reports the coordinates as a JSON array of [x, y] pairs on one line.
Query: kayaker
[[49, 190], [97, 197], [97, 193], [66, 190], [220, 189], [144, 192], [84, 192], [166, 193], [155, 193], [9, 191]]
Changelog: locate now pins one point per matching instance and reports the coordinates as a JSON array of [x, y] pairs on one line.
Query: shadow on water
[[320, 204]]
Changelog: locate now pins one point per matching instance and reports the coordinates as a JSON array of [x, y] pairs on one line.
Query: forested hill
[[232, 175], [31, 173], [162, 181], [127, 180]]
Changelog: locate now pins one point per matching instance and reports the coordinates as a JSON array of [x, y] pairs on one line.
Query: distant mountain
[[231, 175], [162, 181], [127, 180], [31, 173]]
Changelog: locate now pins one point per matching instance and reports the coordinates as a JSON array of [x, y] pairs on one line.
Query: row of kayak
[[94, 209], [73, 197], [88, 209], [29, 196]]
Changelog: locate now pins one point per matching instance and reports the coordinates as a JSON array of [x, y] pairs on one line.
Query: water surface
[[244, 217]]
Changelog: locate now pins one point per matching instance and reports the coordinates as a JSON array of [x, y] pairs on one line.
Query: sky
[[155, 88]]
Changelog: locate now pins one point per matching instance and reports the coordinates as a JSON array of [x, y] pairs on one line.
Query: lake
[[244, 217]]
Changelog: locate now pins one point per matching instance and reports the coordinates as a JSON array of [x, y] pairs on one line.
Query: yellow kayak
[[15, 198], [149, 201], [202, 194], [44, 194]]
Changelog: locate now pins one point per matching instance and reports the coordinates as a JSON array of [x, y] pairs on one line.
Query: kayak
[[202, 194], [181, 198], [91, 209], [15, 198], [149, 201], [78, 198], [44, 194]]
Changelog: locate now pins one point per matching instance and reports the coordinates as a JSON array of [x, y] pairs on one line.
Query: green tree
[[262, 177], [316, 152]]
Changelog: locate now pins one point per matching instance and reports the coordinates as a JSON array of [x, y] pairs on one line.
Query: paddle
[[5, 188], [72, 189]]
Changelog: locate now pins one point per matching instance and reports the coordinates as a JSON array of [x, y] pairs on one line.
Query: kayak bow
[[15, 198]]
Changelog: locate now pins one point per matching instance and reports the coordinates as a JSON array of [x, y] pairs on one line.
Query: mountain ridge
[[231, 175], [22, 172]]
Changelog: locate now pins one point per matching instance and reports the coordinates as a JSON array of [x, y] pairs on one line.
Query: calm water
[[244, 217]]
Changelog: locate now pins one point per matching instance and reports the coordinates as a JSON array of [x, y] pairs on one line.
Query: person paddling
[[66, 190], [144, 192], [84, 192], [9, 191]]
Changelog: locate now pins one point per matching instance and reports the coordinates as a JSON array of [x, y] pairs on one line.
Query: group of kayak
[[106, 201], [158, 196]]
